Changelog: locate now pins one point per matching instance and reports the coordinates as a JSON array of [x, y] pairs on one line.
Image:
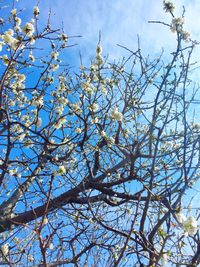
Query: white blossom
[[88, 87], [78, 130], [177, 24], [164, 259], [111, 141], [103, 134], [62, 79], [18, 21], [54, 67], [28, 143], [51, 246], [28, 29], [37, 102], [95, 120], [39, 122], [30, 258], [36, 11], [21, 77], [5, 249], [59, 123], [7, 37], [13, 12], [45, 220], [189, 224], [99, 50], [32, 40], [1, 46], [103, 90], [76, 107], [181, 217], [94, 107], [185, 36], [116, 115], [21, 136], [63, 37], [118, 175], [59, 110], [13, 171], [31, 57], [168, 6], [62, 169], [195, 126], [17, 29], [54, 55]]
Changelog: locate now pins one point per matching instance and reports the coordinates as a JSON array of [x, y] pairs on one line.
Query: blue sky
[[119, 22]]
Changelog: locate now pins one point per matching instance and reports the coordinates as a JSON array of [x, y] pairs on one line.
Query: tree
[[96, 165]]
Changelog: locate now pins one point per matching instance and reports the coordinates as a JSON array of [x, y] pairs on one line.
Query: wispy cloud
[[119, 22]]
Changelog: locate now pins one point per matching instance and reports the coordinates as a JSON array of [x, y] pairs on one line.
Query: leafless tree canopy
[[96, 165]]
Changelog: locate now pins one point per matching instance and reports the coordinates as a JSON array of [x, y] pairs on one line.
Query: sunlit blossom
[[36, 11], [28, 29], [1, 46], [18, 21], [99, 50], [64, 37], [45, 220], [54, 67], [39, 122], [31, 57], [177, 24], [54, 55], [78, 130], [13, 12], [62, 170], [168, 6], [60, 123], [5, 249], [21, 77], [5, 60], [116, 115], [7, 37], [21, 136], [94, 107], [189, 224]]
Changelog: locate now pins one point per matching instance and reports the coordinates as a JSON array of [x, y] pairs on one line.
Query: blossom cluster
[[5, 249], [177, 24], [116, 115], [168, 6], [189, 224]]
